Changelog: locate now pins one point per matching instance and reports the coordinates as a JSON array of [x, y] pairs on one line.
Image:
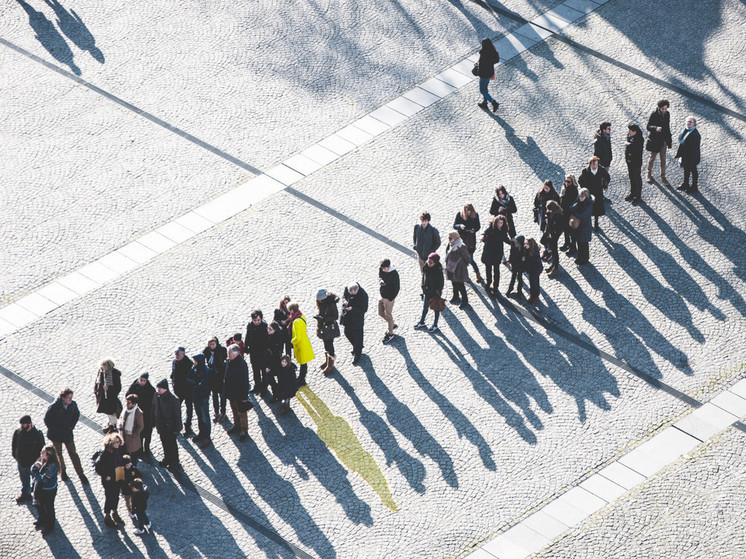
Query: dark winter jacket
[[494, 241], [107, 464], [27, 446], [534, 267], [602, 148], [180, 370], [216, 365], [595, 185], [145, 395], [458, 258], [45, 476], [469, 233], [140, 501], [285, 381], [425, 241], [487, 61], [432, 280], [199, 378], [540, 204], [657, 139], [274, 351], [108, 401], [517, 258], [507, 208], [237, 379], [60, 422], [389, 283], [689, 149], [256, 339], [355, 317], [166, 413], [327, 318], [554, 225], [583, 211], [633, 151]]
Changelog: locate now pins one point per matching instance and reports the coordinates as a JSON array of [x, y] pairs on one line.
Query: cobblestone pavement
[[434, 443]]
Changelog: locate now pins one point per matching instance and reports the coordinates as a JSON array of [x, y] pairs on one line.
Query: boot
[[479, 277], [285, 408], [109, 521], [325, 367], [330, 368], [115, 516]]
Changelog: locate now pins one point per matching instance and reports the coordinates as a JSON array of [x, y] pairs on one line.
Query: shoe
[[628, 198], [138, 532], [495, 106], [420, 326], [46, 531], [396, 326], [133, 516], [285, 408], [683, 187], [455, 300], [648, 178], [635, 201], [581, 262], [433, 329], [664, 182], [23, 498], [572, 252], [174, 467], [464, 305], [533, 300], [163, 464], [479, 278], [233, 430], [508, 292], [84, 480], [519, 295], [243, 437], [552, 272], [115, 516], [692, 190], [188, 433], [387, 338], [253, 391], [215, 419], [109, 521], [596, 228], [563, 248], [65, 477], [356, 359], [205, 442], [482, 105], [38, 524]]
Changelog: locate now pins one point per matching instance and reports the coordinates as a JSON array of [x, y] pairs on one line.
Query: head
[[499, 222], [107, 365], [583, 194], [293, 307], [285, 360], [144, 376], [571, 180], [425, 219], [257, 316], [284, 303], [633, 129], [605, 127], [237, 337], [531, 245], [353, 288], [487, 45], [50, 454], [691, 121], [233, 351], [213, 342], [131, 401], [66, 395], [179, 353], [26, 423], [593, 162], [452, 236], [432, 259], [137, 485], [385, 265], [113, 441], [468, 211], [273, 327], [501, 192], [518, 241], [663, 105], [162, 386], [554, 207], [548, 186]]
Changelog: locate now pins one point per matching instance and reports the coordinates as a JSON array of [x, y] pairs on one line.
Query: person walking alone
[[388, 279], [488, 57]]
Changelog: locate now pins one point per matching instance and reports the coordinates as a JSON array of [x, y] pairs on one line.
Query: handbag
[[437, 304], [574, 222], [329, 330], [475, 70]]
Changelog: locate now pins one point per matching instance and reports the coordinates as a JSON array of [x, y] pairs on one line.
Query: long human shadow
[[460, 422], [404, 420], [412, 469], [58, 542], [49, 37], [298, 442], [71, 24]]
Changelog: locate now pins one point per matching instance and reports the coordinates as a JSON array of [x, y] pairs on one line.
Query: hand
[[658, 129], [108, 478]]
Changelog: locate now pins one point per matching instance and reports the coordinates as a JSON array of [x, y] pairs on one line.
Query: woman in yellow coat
[[301, 344]]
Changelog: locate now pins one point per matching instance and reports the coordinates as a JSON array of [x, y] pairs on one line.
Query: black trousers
[[45, 506], [459, 289], [189, 412], [635, 180], [583, 252], [218, 401], [170, 449], [329, 347], [694, 174], [516, 276], [355, 336], [490, 270], [260, 383], [111, 496]]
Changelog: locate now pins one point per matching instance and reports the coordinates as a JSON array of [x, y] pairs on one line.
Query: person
[[426, 239], [237, 339], [285, 374], [145, 393], [457, 261], [180, 369], [432, 287], [45, 471], [546, 193], [467, 224], [140, 497], [215, 354], [689, 152], [199, 380], [237, 391], [167, 420], [354, 307], [494, 237], [256, 344], [131, 425], [488, 57], [327, 327], [301, 344], [388, 280], [131, 473], [633, 156], [659, 139], [272, 357], [568, 195], [534, 268], [110, 466], [602, 144], [107, 388], [281, 317], [27, 444], [60, 419], [554, 226], [503, 203], [583, 209], [517, 264], [596, 180]]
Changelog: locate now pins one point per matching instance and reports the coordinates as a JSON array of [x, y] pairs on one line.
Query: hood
[[200, 359]]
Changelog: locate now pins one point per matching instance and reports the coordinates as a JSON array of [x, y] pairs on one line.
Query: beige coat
[[132, 442]]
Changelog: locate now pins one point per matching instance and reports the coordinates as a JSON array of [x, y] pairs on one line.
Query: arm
[[15, 444]]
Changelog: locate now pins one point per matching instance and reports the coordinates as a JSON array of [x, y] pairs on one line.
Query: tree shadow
[[74, 29], [49, 37]]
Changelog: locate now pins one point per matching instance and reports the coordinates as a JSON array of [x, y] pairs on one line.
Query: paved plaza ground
[[122, 122]]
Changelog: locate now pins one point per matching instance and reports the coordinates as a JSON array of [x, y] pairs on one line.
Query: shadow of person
[[410, 467], [75, 30], [460, 422], [59, 544], [49, 37]]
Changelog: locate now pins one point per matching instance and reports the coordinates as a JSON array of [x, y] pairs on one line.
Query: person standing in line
[[167, 420], [145, 393], [199, 380], [457, 262], [494, 237], [568, 195], [281, 317], [583, 209], [355, 305], [388, 279], [301, 344], [130, 425], [140, 497], [45, 471], [467, 224], [602, 145], [27, 445], [546, 193], [488, 57], [659, 139], [180, 369], [107, 388], [633, 156], [327, 327], [534, 268], [689, 152], [432, 287], [503, 203], [554, 225], [272, 357], [596, 180], [237, 391], [110, 466], [517, 265], [426, 239], [256, 345], [215, 355], [286, 382], [60, 419]]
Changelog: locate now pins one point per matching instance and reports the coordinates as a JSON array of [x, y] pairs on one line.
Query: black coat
[[60, 422], [274, 351], [469, 233], [327, 318], [540, 204], [140, 501], [27, 446], [517, 259], [425, 241], [583, 211], [505, 207], [554, 225], [596, 184], [689, 149], [494, 239], [633, 151], [179, 372], [216, 365], [487, 63], [256, 339], [108, 401], [389, 283], [285, 381], [237, 379], [106, 465], [432, 280], [355, 317], [534, 267], [657, 139], [166, 413], [145, 395], [602, 148]]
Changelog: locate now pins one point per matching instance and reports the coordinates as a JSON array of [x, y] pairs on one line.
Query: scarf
[[685, 134], [292, 317], [592, 171], [108, 378], [457, 243], [128, 422]]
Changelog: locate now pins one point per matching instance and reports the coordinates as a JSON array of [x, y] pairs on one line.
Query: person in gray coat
[[426, 239], [457, 268]]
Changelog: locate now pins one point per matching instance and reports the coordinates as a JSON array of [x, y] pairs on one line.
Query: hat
[[180, 349], [25, 419], [519, 239], [434, 256], [162, 384], [145, 374], [321, 294]]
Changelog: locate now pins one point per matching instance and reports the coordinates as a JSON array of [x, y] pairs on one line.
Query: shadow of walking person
[[75, 30], [49, 37]]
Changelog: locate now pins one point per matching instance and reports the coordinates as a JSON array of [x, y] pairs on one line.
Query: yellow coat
[[301, 344]]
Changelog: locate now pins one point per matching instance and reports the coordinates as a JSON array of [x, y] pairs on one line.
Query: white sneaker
[[139, 532], [147, 526], [133, 516]]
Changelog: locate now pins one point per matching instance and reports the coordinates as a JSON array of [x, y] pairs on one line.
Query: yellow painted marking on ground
[[339, 437]]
